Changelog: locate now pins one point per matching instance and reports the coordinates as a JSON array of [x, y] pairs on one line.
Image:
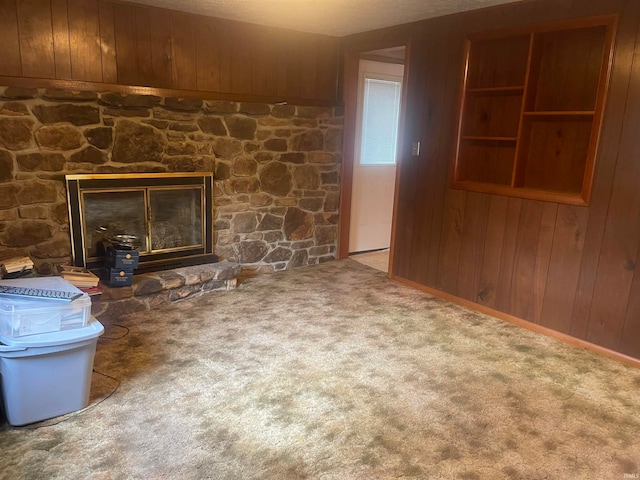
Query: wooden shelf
[[489, 90], [531, 108], [492, 139], [499, 189], [560, 113]]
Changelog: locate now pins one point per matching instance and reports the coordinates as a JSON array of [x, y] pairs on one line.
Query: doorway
[[374, 160], [375, 123]]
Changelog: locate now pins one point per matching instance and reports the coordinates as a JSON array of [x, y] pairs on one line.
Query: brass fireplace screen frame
[[157, 259]]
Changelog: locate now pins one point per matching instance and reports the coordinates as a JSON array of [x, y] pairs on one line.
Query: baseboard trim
[[563, 337]]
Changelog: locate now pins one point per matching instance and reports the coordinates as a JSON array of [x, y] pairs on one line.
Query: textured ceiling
[[330, 17]]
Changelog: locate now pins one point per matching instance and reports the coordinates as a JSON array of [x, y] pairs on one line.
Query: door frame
[[350, 98]]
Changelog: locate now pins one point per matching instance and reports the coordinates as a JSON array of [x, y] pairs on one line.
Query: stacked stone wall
[[276, 168]]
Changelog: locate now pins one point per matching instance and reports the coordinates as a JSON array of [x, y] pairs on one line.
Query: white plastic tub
[[47, 375], [21, 316]]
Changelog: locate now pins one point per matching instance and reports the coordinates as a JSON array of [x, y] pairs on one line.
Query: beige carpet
[[335, 372]]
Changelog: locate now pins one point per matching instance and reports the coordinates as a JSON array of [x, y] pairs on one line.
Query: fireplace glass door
[[175, 218], [171, 215], [163, 219], [112, 213]]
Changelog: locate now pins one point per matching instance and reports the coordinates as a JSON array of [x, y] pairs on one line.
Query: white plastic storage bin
[[47, 375], [31, 315]]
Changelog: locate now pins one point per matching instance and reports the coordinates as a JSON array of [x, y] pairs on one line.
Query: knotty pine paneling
[[474, 233], [84, 39], [309, 69], [288, 74], [61, 42], [451, 241], [153, 31], [421, 209], [564, 267], [631, 328], [108, 43], [126, 40], [11, 63], [184, 73], [492, 252], [237, 41], [619, 88], [326, 82], [264, 77], [98, 41], [208, 58], [448, 39], [524, 258], [411, 170], [507, 262], [36, 38], [568, 268], [619, 252], [616, 271], [541, 266]]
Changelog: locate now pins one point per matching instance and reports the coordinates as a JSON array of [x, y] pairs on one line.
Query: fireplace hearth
[[171, 215]]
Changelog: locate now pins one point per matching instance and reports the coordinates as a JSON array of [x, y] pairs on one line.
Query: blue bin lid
[[93, 329]]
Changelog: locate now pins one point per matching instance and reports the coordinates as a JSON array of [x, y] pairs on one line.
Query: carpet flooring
[[335, 372]]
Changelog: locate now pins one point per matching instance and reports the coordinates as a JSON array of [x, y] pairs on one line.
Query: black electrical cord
[[116, 338]]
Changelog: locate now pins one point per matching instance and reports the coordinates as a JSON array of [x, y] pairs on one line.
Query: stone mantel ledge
[[156, 289]]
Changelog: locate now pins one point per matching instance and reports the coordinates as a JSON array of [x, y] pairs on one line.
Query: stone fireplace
[[275, 168], [168, 215]]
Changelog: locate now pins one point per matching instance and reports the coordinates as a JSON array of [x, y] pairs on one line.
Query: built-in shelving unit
[[531, 108]]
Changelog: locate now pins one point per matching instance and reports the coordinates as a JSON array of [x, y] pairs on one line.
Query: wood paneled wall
[[568, 268], [107, 42]]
